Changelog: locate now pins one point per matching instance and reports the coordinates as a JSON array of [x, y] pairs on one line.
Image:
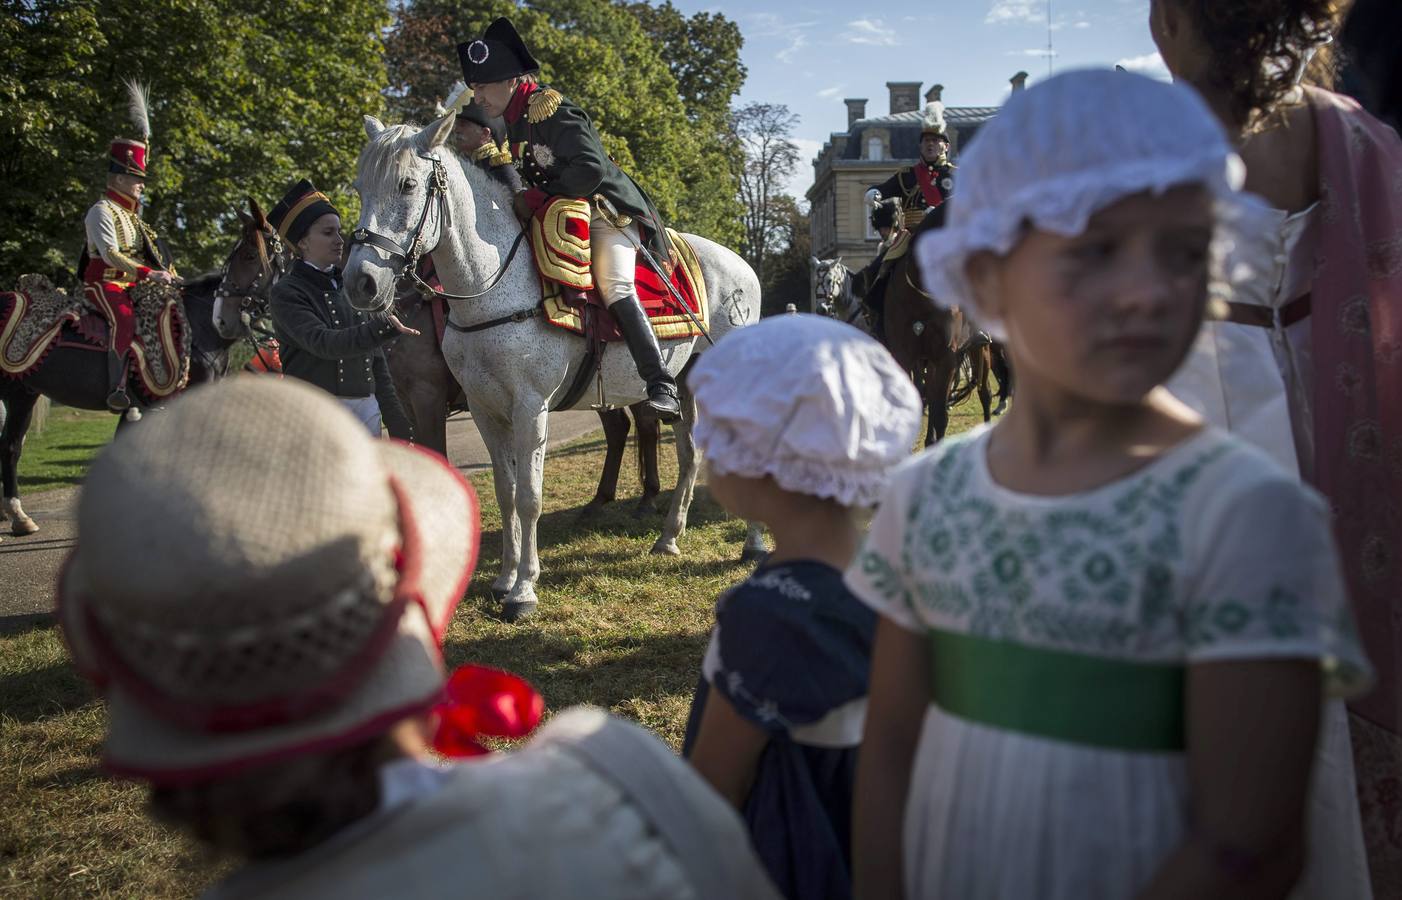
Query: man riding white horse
[[560, 155], [121, 249]]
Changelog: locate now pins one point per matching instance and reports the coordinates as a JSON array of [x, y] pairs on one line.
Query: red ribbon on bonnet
[[482, 702]]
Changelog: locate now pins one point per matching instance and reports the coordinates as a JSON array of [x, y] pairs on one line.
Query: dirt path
[[29, 565]]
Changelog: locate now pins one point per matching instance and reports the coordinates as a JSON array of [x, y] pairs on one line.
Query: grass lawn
[[59, 456], [617, 628]]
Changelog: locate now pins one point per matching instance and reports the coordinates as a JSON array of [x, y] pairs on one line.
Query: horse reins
[[437, 195], [255, 295]]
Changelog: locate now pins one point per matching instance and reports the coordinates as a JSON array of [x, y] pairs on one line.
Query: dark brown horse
[[931, 342], [78, 377]]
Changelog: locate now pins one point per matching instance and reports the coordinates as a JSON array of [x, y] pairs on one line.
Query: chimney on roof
[[1019, 81], [905, 96], [934, 94], [856, 109]]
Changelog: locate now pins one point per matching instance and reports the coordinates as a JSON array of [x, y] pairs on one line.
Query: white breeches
[[613, 258], [366, 409]]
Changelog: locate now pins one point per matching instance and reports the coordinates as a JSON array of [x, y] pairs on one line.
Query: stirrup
[[664, 404], [118, 401]]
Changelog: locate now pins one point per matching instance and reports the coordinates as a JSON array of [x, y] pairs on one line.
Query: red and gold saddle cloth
[[39, 317], [560, 246]]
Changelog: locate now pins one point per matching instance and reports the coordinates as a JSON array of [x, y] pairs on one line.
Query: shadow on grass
[[627, 668], [23, 623], [40, 693]]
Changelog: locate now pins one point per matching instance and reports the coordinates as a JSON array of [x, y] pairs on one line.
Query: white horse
[[833, 292], [418, 197]]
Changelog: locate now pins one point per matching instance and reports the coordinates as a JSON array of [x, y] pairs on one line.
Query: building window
[[875, 148]]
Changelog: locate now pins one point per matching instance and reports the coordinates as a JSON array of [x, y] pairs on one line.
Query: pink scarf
[[1357, 350]]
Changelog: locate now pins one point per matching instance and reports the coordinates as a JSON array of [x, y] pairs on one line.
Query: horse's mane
[[386, 155]]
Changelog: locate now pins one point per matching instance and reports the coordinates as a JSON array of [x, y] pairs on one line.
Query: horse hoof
[[517, 611], [666, 548], [753, 554], [21, 527]]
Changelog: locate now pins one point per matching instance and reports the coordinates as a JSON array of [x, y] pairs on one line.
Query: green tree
[[787, 268], [246, 97], [603, 58], [765, 131]]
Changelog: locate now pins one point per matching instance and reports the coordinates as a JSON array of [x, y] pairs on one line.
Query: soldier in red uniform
[[121, 249]]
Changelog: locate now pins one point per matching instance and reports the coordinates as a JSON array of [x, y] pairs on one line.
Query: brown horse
[[932, 342]]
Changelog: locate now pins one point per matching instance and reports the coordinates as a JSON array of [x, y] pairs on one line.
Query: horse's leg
[[616, 427], [938, 380], [19, 409], [754, 549], [687, 467], [983, 367], [528, 436], [649, 436], [497, 437], [1003, 373]]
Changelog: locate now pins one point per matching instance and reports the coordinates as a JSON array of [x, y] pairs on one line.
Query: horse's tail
[[40, 416]]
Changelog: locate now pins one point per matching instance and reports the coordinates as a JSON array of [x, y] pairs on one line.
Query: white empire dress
[[1257, 382]]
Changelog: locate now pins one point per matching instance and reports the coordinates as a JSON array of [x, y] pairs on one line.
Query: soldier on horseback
[[560, 155], [919, 191], [121, 249]]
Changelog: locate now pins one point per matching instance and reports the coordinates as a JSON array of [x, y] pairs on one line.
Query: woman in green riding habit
[[560, 155]]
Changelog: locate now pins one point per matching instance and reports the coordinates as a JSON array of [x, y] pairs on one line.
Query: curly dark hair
[[1258, 47], [281, 809]]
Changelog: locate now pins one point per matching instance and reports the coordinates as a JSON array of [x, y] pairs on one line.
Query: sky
[[811, 55]]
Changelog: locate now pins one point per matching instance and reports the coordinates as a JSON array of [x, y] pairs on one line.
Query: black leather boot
[[117, 399], [647, 356]]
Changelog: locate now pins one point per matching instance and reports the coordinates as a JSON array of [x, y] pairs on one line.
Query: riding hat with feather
[[932, 122], [128, 156], [302, 205], [497, 55]]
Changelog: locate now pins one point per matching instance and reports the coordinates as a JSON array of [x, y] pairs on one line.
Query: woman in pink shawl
[[1308, 362]]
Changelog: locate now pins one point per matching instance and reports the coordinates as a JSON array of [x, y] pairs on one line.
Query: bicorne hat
[[302, 205], [497, 55]]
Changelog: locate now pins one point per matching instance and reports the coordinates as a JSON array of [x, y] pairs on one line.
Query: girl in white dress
[[1106, 629]]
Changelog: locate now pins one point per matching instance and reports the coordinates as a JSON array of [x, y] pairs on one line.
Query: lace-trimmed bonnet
[[1064, 149], [815, 404]]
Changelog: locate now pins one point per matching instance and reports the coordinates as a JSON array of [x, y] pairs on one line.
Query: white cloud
[[1081, 24], [829, 93], [1017, 12], [872, 31], [1042, 52], [1150, 64], [796, 43]]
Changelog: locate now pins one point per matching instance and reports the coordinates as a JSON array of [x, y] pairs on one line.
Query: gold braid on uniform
[[542, 105], [492, 154]]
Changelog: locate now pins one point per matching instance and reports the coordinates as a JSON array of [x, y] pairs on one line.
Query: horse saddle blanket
[[560, 246], [39, 317]]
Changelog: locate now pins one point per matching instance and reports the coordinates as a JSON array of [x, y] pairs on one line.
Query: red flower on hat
[[484, 702]]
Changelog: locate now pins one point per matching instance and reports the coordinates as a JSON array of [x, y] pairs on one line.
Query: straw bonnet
[[815, 404], [1033, 164], [256, 577]]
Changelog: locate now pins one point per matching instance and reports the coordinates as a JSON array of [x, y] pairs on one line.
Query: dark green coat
[[323, 340], [575, 165]]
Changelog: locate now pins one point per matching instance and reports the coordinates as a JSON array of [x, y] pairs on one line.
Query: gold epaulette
[[501, 155], [542, 105]]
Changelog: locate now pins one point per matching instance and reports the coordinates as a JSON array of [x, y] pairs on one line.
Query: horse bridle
[[253, 300], [410, 255]]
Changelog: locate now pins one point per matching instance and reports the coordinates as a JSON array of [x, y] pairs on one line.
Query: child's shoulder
[[1222, 468], [800, 594]]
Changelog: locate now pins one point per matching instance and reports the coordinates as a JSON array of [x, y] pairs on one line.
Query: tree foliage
[[616, 64], [246, 97], [787, 269], [765, 132]]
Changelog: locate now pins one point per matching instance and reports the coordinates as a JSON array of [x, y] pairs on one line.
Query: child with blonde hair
[[1105, 629], [777, 717]]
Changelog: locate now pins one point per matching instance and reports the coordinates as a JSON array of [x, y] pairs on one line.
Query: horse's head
[[254, 264], [404, 207], [830, 282]]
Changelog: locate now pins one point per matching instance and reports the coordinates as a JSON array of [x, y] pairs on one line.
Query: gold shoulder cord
[[542, 105]]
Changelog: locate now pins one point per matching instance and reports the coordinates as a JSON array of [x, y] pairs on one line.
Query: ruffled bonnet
[[817, 405], [1066, 148]]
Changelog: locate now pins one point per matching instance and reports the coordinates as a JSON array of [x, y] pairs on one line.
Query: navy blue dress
[[791, 651]]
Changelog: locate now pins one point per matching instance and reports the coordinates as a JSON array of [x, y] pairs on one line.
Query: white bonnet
[[1062, 150], [816, 404]]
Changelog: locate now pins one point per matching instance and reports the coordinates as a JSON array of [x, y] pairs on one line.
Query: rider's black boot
[[647, 356], [117, 400]]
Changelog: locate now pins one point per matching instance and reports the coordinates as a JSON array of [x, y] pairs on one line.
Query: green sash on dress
[[1097, 701]]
